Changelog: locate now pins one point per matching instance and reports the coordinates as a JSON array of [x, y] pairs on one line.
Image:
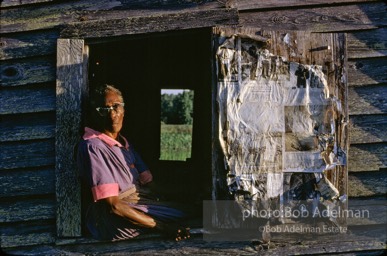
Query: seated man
[[120, 205]]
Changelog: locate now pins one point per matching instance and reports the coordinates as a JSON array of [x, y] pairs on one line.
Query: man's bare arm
[[123, 209]]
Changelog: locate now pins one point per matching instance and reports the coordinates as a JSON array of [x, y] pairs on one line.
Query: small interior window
[[176, 122]]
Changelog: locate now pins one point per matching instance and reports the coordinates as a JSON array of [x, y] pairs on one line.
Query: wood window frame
[[72, 89]]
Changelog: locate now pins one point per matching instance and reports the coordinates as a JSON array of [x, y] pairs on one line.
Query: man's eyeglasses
[[117, 107]]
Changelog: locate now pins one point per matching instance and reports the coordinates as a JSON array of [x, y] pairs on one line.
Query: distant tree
[[166, 107], [177, 109], [183, 105]]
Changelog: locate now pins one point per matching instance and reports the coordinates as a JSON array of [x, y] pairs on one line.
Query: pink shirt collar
[[90, 134]]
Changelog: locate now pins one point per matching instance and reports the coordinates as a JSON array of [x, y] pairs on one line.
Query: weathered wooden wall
[[365, 24], [30, 28]]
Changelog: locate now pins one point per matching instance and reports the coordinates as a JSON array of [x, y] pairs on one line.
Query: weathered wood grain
[[299, 47], [34, 70], [27, 154], [364, 100], [368, 128], [28, 233], [50, 15], [119, 3], [125, 25], [248, 5], [71, 89], [29, 99], [339, 61], [56, 14], [367, 184], [27, 210], [25, 182], [367, 157], [367, 44], [376, 210], [43, 238], [27, 127], [28, 44], [8, 3], [367, 71], [324, 19]]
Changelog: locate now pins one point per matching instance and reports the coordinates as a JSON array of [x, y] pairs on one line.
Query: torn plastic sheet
[[275, 117]]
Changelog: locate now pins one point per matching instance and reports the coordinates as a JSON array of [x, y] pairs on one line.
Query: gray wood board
[[55, 14], [367, 44], [368, 128], [118, 24], [247, 5], [323, 19], [369, 71], [14, 155], [71, 86], [363, 100], [28, 126], [27, 182], [27, 210], [367, 184], [367, 157], [28, 44], [28, 99], [8, 3], [35, 70]]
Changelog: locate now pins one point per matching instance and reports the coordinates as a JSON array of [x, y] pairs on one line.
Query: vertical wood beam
[[71, 86]]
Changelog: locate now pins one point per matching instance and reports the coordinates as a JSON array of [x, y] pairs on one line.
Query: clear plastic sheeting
[[275, 116]]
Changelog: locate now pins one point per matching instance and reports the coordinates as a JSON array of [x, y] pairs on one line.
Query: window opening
[[176, 122]]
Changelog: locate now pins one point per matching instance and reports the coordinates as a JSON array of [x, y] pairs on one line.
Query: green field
[[175, 142]]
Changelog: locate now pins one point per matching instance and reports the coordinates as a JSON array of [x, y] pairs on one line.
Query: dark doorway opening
[[142, 67]]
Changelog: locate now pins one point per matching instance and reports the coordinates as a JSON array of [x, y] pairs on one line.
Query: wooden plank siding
[[365, 184], [46, 16], [29, 32], [121, 24], [19, 154], [367, 44], [27, 99], [248, 5], [367, 157], [321, 19], [8, 3], [27, 181], [54, 15], [368, 99], [34, 70], [29, 44], [40, 125], [368, 129], [35, 209], [28, 233], [370, 71]]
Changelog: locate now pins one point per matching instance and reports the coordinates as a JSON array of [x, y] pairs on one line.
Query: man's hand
[[173, 230], [182, 234]]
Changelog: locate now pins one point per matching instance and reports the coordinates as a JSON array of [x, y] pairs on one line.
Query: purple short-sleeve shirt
[[107, 166], [110, 168]]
